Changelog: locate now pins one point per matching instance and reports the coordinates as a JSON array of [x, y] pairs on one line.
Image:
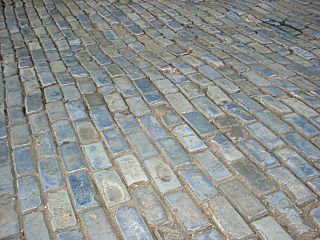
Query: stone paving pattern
[[162, 120]]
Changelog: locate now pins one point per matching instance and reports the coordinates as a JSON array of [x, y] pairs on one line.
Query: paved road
[[162, 120]]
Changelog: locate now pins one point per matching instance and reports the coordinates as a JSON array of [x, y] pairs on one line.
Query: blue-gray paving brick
[[127, 123], [33, 103], [64, 131], [76, 110], [228, 219], [115, 141], [176, 155], [145, 86], [56, 111], [268, 228], [224, 147], [150, 205], [304, 146], [131, 224], [82, 190], [9, 224], [138, 106], [188, 138], [212, 165], [23, 159], [303, 169], [248, 103], [53, 93], [302, 125], [38, 123], [274, 105], [74, 234], [289, 215], [207, 107], [247, 205], [154, 98], [98, 225], [112, 188], [273, 122], [190, 90], [209, 72], [235, 110], [86, 132], [101, 117], [265, 136], [35, 226], [50, 175], [60, 210], [199, 183], [295, 189], [6, 184], [154, 128], [201, 125], [97, 156], [300, 108], [29, 193], [142, 145], [162, 175], [258, 154], [71, 156], [70, 93], [187, 211], [179, 102], [253, 177], [20, 135], [4, 155], [210, 234], [77, 71], [168, 230], [315, 216], [46, 146]]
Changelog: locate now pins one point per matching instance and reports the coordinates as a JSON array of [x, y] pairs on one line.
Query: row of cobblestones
[[159, 119]]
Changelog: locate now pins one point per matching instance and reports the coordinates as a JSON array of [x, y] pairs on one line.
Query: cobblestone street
[[165, 120]]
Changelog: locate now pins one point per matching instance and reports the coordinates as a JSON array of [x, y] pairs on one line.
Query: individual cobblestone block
[[60, 210], [268, 228], [24, 161], [248, 103], [162, 175], [179, 103], [76, 110], [300, 108], [20, 135], [50, 174], [288, 215], [297, 164], [254, 177], [274, 105], [46, 147], [33, 103], [115, 141], [150, 206], [98, 224], [304, 146], [265, 136], [142, 145], [188, 138], [199, 183], [131, 224], [38, 123], [258, 154], [237, 111], [71, 156], [4, 158], [295, 189], [222, 146], [127, 123], [187, 211], [29, 193], [56, 111], [110, 185], [82, 190], [168, 230], [137, 106], [86, 132], [247, 205], [131, 169], [273, 122], [200, 124], [97, 156], [70, 235], [153, 127], [35, 227], [101, 117], [302, 125], [64, 131], [217, 95], [175, 154], [9, 224], [6, 185], [207, 107], [228, 219]]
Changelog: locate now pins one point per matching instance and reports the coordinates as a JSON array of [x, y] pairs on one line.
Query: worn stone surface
[[159, 119]]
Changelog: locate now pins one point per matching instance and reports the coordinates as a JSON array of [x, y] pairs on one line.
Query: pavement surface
[[162, 120]]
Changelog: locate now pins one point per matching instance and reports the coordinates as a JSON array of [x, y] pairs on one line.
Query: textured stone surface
[[159, 119]]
